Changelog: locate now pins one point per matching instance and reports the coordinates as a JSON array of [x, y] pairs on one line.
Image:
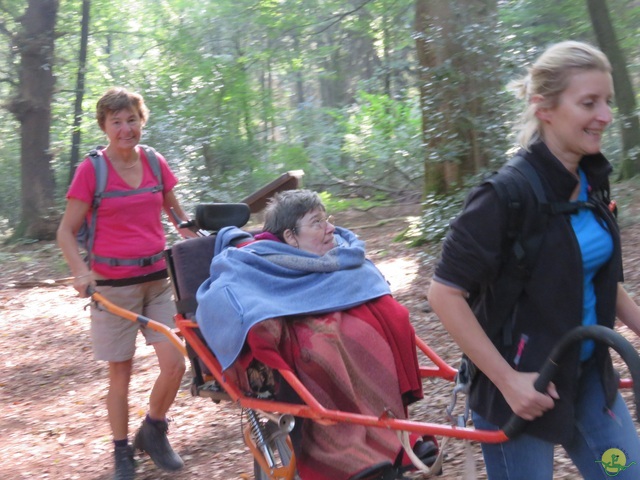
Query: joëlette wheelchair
[[270, 420]]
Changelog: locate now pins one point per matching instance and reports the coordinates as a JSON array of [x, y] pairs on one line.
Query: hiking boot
[[152, 438], [125, 466]]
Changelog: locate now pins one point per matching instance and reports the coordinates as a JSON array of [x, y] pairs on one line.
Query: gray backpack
[[87, 231]]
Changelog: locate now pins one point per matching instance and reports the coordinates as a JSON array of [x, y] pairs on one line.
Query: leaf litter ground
[[53, 422]]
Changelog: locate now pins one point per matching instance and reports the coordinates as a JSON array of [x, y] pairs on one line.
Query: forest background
[[376, 100]]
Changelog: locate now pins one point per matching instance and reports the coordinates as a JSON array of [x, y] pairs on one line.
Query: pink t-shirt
[[126, 227]]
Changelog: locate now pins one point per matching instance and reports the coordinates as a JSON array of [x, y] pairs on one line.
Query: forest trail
[[53, 422]]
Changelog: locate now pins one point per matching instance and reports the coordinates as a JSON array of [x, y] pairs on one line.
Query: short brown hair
[[118, 98]]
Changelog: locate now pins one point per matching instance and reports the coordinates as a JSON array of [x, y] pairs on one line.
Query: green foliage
[[240, 91], [382, 141], [287, 157], [465, 107], [625, 195], [536, 24], [10, 181], [439, 210], [335, 204], [10, 207]]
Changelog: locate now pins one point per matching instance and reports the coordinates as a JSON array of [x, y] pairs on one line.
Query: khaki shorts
[[113, 337]]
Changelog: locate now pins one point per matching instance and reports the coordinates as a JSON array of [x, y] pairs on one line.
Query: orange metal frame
[[312, 409], [286, 472]]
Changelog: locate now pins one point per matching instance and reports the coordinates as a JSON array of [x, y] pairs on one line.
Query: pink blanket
[[360, 360]]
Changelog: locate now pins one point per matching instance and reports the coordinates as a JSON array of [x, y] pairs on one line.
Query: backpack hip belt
[[129, 262]]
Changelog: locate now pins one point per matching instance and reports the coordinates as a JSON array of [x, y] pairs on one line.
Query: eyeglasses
[[318, 223]]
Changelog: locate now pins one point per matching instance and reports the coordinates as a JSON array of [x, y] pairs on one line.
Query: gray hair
[[549, 77], [286, 208]]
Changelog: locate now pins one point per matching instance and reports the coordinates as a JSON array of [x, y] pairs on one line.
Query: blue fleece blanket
[[268, 279]]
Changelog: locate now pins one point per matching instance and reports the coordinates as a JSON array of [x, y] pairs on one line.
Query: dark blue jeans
[[603, 440]]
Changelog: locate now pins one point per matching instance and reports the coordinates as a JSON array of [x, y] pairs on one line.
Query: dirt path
[[53, 423]]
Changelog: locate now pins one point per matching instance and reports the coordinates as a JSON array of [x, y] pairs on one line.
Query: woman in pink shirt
[[127, 266]]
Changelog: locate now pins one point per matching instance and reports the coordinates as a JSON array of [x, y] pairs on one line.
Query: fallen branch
[[49, 282]]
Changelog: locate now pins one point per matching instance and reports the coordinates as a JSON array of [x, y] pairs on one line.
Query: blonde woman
[[574, 281]]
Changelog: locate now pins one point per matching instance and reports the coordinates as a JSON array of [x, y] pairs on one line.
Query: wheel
[[277, 441]]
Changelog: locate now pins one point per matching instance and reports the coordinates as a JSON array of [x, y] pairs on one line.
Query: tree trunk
[[478, 60], [625, 98], [77, 112], [333, 81], [386, 49], [299, 97], [434, 170], [32, 107], [456, 77]]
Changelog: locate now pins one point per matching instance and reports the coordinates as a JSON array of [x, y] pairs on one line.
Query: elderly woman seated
[[302, 296]]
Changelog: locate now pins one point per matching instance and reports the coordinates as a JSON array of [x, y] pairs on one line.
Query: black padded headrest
[[214, 216]]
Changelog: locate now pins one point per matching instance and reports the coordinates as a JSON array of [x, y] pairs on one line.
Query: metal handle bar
[[599, 333], [189, 224]]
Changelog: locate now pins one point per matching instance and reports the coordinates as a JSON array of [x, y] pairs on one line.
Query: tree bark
[[74, 158], [32, 107], [625, 98], [434, 171], [478, 60], [333, 82], [456, 66], [299, 80]]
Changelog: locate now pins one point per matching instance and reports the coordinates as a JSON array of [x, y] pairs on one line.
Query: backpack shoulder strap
[[508, 195], [526, 226], [101, 171], [533, 179], [154, 163], [510, 184]]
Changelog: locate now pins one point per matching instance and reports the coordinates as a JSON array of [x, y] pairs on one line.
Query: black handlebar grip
[[516, 424], [599, 333]]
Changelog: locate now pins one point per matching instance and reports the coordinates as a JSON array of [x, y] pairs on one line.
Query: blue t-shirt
[[596, 246]]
